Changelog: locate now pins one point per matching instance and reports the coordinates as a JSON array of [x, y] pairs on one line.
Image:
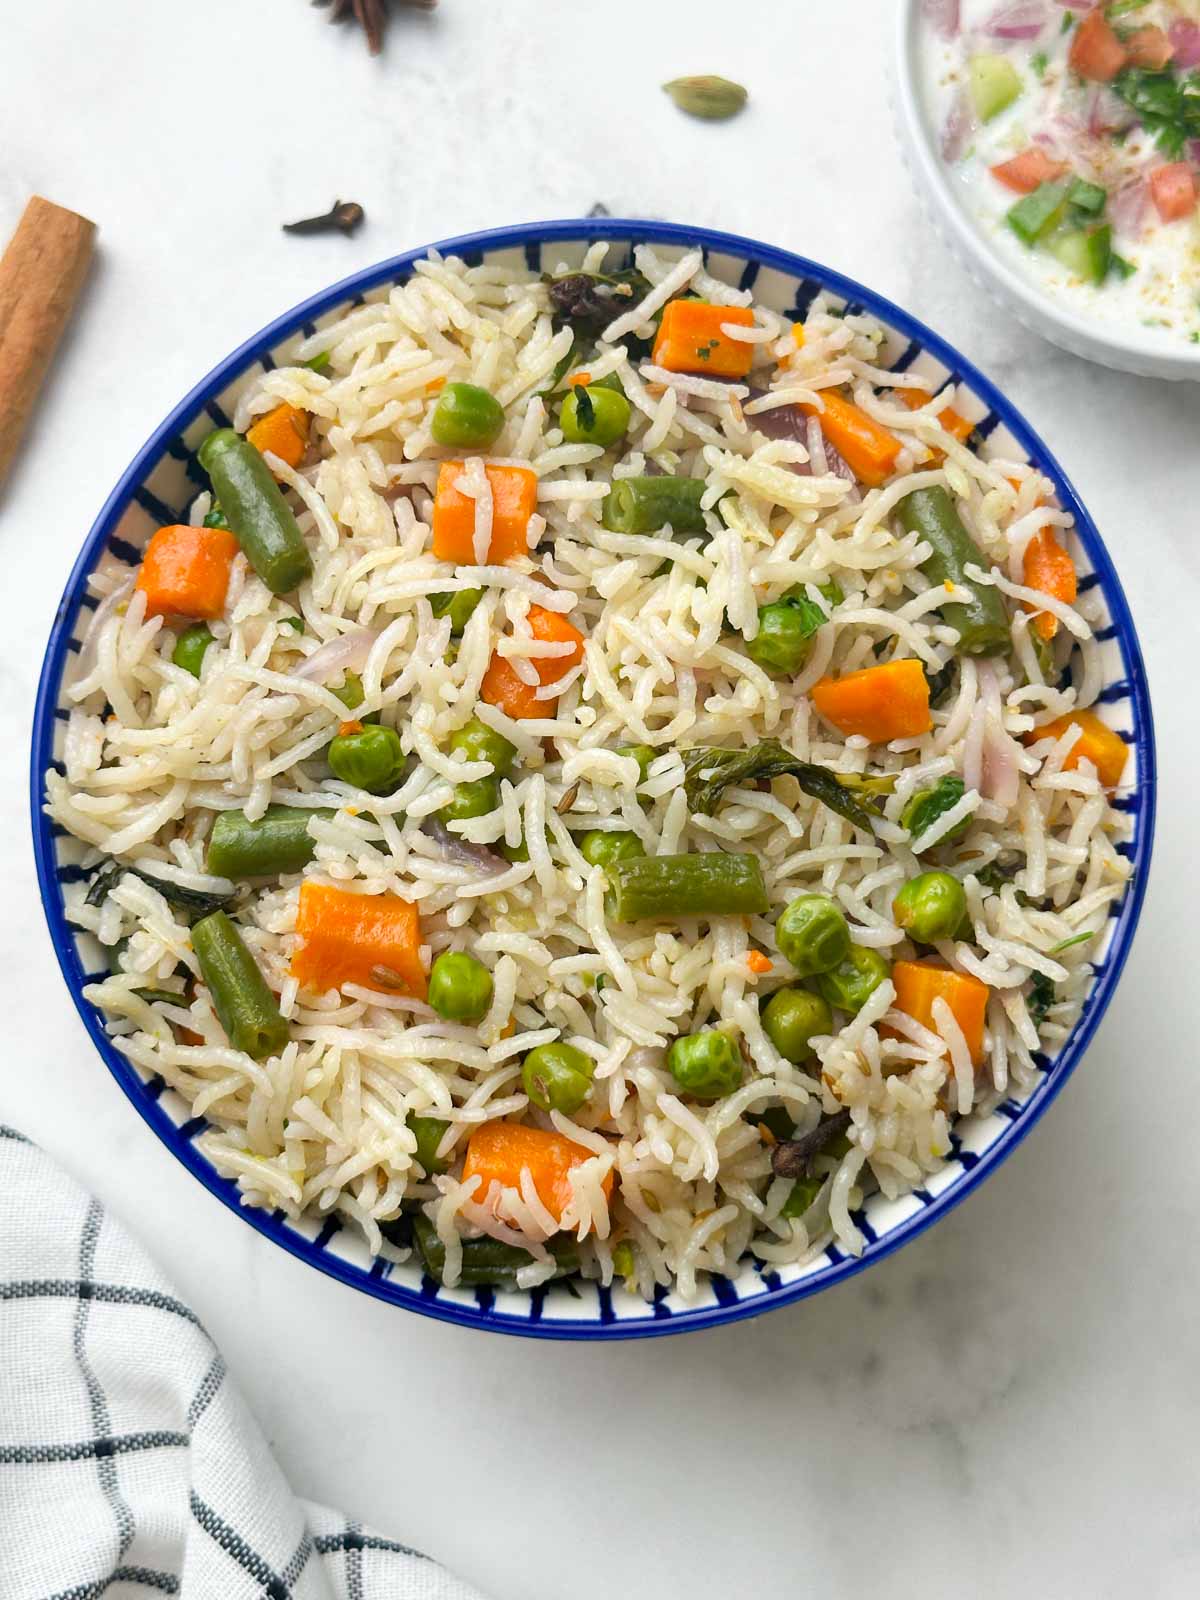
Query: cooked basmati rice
[[151, 755]]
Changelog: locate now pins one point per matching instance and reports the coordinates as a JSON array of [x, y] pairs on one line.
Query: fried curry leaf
[[709, 772], [1039, 999], [198, 902], [941, 683]]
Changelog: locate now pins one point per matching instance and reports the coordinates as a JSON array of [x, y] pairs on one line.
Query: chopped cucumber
[[1088, 197], [1087, 253], [995, 84], [1033, 217]]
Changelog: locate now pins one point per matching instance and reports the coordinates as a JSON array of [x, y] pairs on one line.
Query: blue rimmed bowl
[[157, 488]]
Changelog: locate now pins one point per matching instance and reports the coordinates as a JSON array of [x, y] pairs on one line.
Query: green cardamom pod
[[713, 98]]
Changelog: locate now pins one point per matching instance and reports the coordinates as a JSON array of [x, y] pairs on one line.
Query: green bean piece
[[259, 516], [558, 1077], [457, 604], [930, 906], [801, 1195], [812, 934], [349, 691], [428, 1132], [245, 1007], [371, 759], [786, 630], [460, 987], [592, 415], [477, 742], [487, 1261], [792, 1018], [317, 363], [467, 417], [852, 983], [646, 505], [704, 885], [296, 624], [279, 841], [473, 799], [927, 805], [190, 647], [643, 754], [982, 622], [706, 1065], [601, 848]]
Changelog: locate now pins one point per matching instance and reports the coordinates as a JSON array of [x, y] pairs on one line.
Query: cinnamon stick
[[41, 274]]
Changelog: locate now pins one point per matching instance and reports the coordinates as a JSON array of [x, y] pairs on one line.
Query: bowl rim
[[1120, 342], [270, 1223]]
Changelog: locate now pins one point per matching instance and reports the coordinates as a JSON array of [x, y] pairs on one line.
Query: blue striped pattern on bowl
[[158, 487]]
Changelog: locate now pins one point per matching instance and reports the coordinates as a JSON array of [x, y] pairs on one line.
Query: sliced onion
[[1000, 777], [943, 16], [348, 653], [780, 422], [1185, 40], [1108, 113], [87, 645], [463, 851], [1017, 19], [1127, 207], [958, 126]]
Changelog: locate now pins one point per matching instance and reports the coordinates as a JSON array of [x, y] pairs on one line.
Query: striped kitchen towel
[[129, 1464]]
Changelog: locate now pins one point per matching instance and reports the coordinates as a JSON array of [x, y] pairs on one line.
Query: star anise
[[371, 15]]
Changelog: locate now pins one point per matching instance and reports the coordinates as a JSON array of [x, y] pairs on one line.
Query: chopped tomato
[[1032, 167], [1096, 52], [1174, 190], [1149, 47]]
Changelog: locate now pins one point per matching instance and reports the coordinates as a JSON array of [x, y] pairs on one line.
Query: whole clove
[[791, 1158], [343, 216]]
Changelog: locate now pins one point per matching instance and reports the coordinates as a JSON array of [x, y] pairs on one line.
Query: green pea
[[812, 934], [296, 624], [467, 417], [853, 981], [190, 647], [594, 416], [792, 1018], [557, 1077], [457, 604], [428, 1132], [927, 805], [786, 630], [349, 691], [460, 987], [514, 852], [601, 848], [214, 517], [477, 742], [643, 754], [930, 906], [624, 1261], [706, 1065], [371, 759], [474, 799]]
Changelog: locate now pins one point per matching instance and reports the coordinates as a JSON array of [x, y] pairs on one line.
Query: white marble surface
[[1006, 1407]]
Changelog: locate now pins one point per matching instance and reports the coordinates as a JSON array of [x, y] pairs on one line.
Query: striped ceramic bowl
[[157, 488]]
